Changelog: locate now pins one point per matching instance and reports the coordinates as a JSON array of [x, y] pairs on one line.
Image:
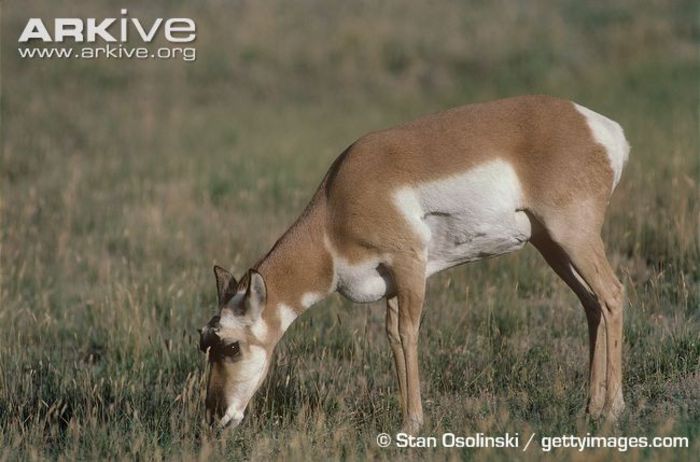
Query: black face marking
[[208, 336], [223, 351]]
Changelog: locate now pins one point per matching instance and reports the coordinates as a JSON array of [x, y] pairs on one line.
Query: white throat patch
[[310, 298], [287, 316]]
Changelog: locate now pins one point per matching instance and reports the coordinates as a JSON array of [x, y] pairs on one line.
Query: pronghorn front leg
[[409, 278], [392, 333]]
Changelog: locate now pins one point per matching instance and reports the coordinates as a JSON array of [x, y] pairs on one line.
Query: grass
[[123, 182]]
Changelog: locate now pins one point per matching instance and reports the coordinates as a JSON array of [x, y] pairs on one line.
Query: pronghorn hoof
[[613, 411], [594, 410], [411, 427]]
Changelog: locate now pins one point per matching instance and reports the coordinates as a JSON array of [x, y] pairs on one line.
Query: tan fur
[[566, 179]]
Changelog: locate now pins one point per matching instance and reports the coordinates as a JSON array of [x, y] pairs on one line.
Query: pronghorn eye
[[231, 349]]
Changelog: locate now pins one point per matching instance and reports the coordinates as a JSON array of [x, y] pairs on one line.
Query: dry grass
[[122, 182]]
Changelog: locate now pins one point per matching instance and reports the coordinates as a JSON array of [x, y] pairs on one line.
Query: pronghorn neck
[[298, 270]]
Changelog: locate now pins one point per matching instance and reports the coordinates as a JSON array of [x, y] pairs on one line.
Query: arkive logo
[[122, 37], [110, 30]]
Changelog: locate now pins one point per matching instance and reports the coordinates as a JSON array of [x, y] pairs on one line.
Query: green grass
[[123, 182]]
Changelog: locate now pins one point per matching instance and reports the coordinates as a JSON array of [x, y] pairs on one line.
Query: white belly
[[455, 239], [467, 217], [463, 218]]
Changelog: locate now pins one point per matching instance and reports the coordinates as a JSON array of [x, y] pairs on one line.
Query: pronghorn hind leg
[[561, 264], [578, 235], [392, 332], [590, 261]]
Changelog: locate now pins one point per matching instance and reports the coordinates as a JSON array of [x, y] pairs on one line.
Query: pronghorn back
[[465, 184]]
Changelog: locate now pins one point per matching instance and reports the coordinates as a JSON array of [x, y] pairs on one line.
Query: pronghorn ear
[[256, 295], [225, 284]]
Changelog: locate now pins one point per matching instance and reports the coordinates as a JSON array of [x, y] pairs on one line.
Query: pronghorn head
[[234, 341]]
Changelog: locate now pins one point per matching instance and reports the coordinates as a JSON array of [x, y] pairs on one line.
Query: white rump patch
[[610, 135], [467, 217]]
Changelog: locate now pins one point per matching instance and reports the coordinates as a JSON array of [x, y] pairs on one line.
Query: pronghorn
[[401, 204]]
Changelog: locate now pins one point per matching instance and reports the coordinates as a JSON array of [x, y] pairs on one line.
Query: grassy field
[[123, 181]]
